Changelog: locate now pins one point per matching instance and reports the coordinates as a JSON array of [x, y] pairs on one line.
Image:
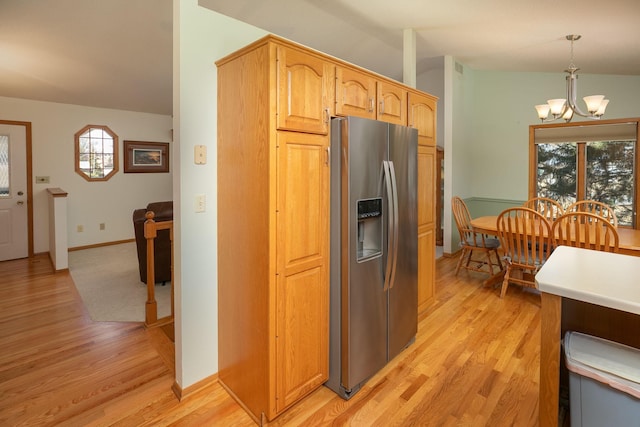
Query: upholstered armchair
[[163, 211]]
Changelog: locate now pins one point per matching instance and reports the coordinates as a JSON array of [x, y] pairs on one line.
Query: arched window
[[96, 153]]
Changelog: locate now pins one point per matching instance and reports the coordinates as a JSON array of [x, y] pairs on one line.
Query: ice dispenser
[[369, 229]]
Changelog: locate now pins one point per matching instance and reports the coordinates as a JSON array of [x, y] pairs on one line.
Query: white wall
[[201, 37], [503, 105], [89, 203]]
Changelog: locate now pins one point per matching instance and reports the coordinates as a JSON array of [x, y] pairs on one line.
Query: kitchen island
[[593, 292]]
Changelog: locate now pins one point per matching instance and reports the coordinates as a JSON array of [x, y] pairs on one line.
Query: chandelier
[[566, 108]]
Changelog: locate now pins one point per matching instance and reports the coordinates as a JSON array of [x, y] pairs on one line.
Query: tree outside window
[[96, 149], [606, 174]]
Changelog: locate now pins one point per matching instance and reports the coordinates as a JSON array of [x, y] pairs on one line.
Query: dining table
[[628, 238]]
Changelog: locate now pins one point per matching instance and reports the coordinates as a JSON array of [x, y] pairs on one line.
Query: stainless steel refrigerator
[[374, 245]]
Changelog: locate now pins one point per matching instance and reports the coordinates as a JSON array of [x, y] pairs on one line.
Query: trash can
[[604, 381]]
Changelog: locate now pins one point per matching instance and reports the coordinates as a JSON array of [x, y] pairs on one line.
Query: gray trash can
[[604, 381]]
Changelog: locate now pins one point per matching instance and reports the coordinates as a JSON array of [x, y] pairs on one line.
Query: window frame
[[116, 158], [581, 160]]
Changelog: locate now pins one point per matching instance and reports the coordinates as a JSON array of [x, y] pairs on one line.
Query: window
[[4, 166], [96, 150], [587, 163]]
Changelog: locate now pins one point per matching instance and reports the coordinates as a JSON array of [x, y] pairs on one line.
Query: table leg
[[551, 315]]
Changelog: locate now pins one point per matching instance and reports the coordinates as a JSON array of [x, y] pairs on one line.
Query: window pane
[[4, 166], [610, 177], [557, 172]]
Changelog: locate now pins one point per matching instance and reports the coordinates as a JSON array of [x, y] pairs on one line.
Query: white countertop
[[602, 278]]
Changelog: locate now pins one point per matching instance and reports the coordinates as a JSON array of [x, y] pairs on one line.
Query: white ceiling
[[118, 53]]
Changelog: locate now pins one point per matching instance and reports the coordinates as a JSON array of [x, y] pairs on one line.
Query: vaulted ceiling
[[118, 53]]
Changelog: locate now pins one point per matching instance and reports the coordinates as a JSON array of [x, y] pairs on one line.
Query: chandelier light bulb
[[543, 111], [556, 105], [593, 102], [603, 106]]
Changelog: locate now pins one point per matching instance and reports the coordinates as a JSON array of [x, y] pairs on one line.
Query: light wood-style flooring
[[475, 362]]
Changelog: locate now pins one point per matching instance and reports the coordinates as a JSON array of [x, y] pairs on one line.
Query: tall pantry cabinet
[[275, 102]]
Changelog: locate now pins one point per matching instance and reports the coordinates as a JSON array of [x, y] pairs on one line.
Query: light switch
[[201, 203], [200, 154]]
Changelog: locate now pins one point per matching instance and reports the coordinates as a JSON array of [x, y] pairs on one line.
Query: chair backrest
[[598, 208], [463, 221], [524, 237], [549, 208], [585, 230]]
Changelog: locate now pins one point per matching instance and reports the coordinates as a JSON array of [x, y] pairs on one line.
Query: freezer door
[[364, 309], [403, 295]]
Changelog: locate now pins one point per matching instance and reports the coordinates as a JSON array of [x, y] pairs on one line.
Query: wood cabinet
[[392, 103], [302, 292], [305, 91], [426, 226], [273, 225], [422, 116], [275, 101], [355, 93]]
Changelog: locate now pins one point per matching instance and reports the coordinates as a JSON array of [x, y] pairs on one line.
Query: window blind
[[590, 133]]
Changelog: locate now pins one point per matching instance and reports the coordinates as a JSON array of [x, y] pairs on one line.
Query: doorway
[[16, 201]]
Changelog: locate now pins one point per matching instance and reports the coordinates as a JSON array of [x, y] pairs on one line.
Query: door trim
[[27, 126]]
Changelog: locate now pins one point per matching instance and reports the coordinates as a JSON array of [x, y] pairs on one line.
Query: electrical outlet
[[102, 226], [80, 228]]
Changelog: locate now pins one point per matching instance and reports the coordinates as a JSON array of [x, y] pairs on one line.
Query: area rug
[[108, 281]]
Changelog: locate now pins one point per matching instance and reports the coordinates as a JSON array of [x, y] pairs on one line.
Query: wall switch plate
[[201, 203], [80, 228], [200, 154], [42, 179], [102, 226]]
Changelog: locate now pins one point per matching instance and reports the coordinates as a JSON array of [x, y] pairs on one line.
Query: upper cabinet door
[[422, 116], [392, 103], [305, 91], [355, 94]]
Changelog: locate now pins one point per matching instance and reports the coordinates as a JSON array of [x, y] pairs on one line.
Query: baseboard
[[98, 245], [181, 393]]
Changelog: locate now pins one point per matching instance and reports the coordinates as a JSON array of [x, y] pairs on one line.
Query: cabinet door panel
[[426, 185], [426, 225], [303, 201], [426, 268], [303, 335], [355, 94], [392, 103], [302, 294], [422, 116], [305, 91]]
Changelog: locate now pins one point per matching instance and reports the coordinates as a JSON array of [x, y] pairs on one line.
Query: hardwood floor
[[475, 362]]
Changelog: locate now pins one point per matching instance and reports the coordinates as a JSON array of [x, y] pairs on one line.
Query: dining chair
[[594, 207], [549, 208], [585, 230], [471, 241], [525, 240]]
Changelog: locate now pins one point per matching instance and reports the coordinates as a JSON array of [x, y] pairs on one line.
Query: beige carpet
[[108, 281]]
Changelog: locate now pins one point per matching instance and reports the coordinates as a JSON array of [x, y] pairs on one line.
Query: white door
[[14, 233]]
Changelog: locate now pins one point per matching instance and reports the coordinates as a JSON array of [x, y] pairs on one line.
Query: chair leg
[[498, 258], [462, 255], [505, 282], [489, 262]]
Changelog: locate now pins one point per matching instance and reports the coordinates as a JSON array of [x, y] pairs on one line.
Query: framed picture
[[146, 157]]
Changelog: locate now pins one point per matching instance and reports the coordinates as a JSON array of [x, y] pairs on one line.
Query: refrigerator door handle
[[390, 223], [395, 229]]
